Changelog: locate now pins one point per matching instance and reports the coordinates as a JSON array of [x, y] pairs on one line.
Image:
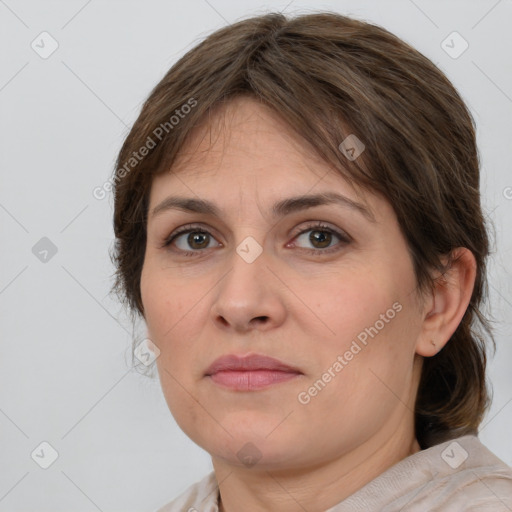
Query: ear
[[446, 305]]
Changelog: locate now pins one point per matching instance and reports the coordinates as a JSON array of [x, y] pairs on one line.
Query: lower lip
[[251, 380]]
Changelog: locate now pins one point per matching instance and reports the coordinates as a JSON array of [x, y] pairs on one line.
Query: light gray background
[[64, 363]]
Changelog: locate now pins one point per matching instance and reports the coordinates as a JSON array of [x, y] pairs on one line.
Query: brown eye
[[321, 237], [197, 240]]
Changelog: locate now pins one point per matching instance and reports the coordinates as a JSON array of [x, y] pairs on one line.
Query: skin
[[304, 309]]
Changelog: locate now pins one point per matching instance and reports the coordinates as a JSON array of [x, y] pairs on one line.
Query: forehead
[[245, 149], [246, 131]]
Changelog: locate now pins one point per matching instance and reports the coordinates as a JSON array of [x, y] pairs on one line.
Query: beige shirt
[[460, 475]]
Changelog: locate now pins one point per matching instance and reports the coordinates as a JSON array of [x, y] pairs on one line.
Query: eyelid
[[320, 226]]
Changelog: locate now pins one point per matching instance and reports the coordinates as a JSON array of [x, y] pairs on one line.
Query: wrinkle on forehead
[[224, 125], [235, 126]]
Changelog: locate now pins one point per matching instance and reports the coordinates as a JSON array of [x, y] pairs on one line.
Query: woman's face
[[336, 304]]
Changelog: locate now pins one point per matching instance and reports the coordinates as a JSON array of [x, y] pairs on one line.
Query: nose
[[249, 296]]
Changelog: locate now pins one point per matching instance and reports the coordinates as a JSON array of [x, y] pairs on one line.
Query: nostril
[[223, 321]]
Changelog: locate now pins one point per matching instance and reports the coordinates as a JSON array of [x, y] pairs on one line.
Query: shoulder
[[465, 475], [199, 497], [453, 476]]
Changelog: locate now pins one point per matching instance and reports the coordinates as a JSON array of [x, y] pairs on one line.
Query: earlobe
[[450, 300]]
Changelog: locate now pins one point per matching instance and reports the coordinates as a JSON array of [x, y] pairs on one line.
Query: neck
[[314, 488]]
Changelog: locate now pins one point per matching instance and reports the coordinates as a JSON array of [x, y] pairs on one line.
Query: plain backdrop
[[65, 366]]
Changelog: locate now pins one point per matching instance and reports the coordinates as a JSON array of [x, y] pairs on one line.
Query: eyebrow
[[279, 209]]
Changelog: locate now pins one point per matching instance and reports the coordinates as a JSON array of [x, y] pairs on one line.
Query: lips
[[250, 372], [249, 363]]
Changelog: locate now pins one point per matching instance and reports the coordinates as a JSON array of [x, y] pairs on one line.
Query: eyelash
[[317, 226]]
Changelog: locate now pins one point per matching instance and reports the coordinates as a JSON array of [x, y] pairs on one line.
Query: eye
[[198, 239], [321, 237]]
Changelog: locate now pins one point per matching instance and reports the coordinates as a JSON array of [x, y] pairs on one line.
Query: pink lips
[[250, 372]]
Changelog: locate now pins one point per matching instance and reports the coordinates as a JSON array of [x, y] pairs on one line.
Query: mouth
[[250, 373]]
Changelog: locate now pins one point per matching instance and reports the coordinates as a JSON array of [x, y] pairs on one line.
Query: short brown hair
[[330, 76]]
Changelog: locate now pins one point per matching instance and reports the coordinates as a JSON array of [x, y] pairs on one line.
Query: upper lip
[[249, 362]]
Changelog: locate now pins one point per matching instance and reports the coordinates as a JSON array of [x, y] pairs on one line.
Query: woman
[[298, 222]]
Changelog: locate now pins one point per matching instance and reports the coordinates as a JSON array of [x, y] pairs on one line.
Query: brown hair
[[330, 76]]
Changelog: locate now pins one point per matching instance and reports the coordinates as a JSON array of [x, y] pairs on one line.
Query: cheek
[[352, 301], [369, 321], [372, 380], [169, 317], [175, 316], [165, 304]]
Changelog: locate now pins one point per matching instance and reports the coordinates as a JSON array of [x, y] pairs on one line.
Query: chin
[[249, 443], [256, 453]]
